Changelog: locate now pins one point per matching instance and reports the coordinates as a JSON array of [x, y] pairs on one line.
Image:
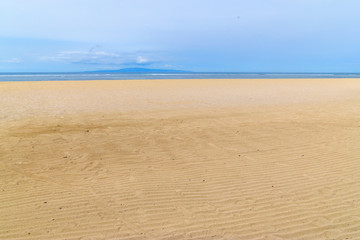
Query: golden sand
[[180, 159]]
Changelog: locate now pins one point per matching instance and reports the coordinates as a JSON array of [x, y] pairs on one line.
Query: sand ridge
[[211, 166]]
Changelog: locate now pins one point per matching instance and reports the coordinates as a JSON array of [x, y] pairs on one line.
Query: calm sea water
[[15, 77]]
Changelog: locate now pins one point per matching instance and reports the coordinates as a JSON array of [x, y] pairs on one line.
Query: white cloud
[[12, 60], [90, 57], [93, 57], [141, 59]]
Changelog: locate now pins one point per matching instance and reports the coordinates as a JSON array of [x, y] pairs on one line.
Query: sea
[[68, 76]]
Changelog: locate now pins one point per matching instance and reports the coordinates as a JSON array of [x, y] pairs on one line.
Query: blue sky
[[196, 35]]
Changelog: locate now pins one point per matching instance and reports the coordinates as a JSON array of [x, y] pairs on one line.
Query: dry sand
[[180, 159]]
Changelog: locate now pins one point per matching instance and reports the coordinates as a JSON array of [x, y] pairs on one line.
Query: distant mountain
[[138, 70]]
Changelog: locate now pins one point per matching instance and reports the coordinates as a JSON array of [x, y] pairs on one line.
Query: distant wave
[[57, 74], [165, 74], [205, 74], [303, 74]]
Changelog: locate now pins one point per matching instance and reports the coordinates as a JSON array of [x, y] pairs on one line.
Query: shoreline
[[183, 79]]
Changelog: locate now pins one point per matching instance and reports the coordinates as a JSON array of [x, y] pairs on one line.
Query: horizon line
[[178, 71]]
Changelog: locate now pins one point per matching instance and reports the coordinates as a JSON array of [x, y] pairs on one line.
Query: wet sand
[[180, 159]]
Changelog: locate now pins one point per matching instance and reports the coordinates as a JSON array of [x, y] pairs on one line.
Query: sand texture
[[180, 159]]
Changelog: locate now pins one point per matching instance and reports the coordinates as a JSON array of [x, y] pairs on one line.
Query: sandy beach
[[180, 159]]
